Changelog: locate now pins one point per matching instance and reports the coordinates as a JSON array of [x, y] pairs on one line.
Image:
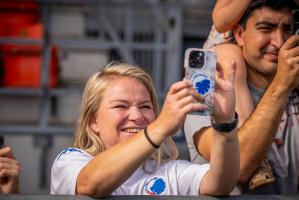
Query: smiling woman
[[125, 110], [123, 147]]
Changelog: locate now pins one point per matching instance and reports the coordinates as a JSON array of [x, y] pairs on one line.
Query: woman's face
[[126, 108]]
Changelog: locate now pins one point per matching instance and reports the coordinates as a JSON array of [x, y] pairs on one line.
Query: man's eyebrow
[[270, 24], [267, 23]]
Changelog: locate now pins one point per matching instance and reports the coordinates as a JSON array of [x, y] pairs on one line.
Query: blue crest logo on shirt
[[68, 150], [155, 186]]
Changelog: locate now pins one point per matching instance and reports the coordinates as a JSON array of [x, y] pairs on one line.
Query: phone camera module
[[295, 22], [197, 59]]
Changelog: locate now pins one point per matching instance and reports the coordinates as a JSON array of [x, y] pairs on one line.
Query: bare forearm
[[224, 164], [227, 13], [260, 129]]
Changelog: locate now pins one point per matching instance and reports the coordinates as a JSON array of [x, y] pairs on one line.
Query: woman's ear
[[238, 31], [94, 125]]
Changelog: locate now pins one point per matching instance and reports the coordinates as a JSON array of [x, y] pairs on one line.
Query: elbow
[[246, 169], [224, 191], [221, 28], [220, 187], [228, 188], [221, 190], [88, 188], [85, 189], [244, 176]]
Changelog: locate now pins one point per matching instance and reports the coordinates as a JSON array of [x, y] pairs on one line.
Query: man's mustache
[[270, 49]]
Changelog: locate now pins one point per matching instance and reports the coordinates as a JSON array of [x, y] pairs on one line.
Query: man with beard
[[272, 130]]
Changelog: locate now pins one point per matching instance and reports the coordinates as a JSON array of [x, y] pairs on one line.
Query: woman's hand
[[9, 172], [180, 100], [224, 95]]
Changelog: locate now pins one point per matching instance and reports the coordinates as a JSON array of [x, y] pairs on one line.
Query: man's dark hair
[[272, 4]]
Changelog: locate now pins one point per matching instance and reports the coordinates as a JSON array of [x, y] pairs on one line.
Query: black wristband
[[225, 127], [149, 139]]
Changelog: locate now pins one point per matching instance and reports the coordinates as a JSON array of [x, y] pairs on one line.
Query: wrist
[[152, 143], [279, 87], [227, 126], [222, 120], [156, 133], [277, 91]]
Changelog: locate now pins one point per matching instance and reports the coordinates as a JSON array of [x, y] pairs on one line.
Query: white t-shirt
[[176, 177]]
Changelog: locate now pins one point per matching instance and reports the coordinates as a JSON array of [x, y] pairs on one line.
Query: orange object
[[17, 14], [34, 31], [22, 66]]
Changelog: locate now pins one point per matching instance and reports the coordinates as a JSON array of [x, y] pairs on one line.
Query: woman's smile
[[130, 131]]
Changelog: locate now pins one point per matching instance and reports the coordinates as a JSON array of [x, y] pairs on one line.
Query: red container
[[22, 66], [22, 63], [34, 31], [17, 14]]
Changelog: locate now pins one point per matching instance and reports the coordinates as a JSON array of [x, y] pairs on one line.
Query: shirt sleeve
[[190, 177], [194, 123], [65, 170]]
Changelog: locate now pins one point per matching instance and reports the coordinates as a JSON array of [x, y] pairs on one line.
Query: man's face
[[265, 32]]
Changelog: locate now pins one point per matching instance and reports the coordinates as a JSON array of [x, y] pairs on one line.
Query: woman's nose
[[135, 114]]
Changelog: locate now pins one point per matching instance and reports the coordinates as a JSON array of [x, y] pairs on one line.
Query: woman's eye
[[120, 106], [146, 107]]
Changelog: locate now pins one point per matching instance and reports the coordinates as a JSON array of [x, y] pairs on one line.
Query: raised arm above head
[[227, 13], [225, 157]]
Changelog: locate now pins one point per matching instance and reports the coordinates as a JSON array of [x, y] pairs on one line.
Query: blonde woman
[[123, 146]]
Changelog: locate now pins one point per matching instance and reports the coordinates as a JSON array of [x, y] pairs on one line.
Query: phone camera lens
[[192, 64], [196, 59]]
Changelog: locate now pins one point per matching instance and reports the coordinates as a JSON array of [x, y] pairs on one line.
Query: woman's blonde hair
[[91, 142]]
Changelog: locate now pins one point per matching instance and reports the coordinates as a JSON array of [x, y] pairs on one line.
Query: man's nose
[[278, 38]]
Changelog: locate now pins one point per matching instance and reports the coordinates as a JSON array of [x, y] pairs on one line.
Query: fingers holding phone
[[9, 170], [4, 151]]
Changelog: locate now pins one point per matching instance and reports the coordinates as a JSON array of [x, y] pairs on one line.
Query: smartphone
[[295, 22], [200, 68], [1, 141]]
